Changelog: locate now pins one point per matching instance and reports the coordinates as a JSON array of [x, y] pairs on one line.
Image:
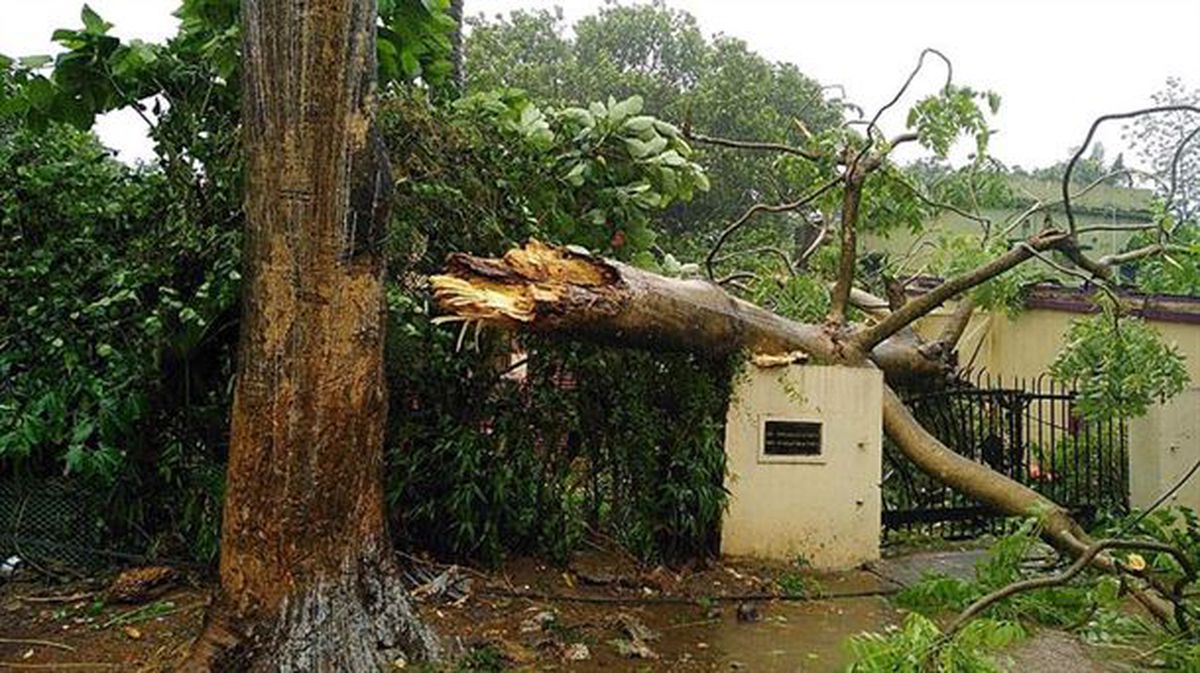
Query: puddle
[[788, 636]]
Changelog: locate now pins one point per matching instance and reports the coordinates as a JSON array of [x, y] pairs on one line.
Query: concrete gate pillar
[[804, 452]]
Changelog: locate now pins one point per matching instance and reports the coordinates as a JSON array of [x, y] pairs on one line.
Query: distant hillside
[[1103, 204], [1109, 199]]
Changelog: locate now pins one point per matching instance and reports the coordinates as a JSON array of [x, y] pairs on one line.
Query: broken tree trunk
[[307, 570], [549, 289]]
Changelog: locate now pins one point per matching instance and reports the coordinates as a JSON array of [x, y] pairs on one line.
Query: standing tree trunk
[[457, 57], [308, 579]]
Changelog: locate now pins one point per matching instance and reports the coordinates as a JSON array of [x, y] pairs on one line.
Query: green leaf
[[626, 108], [993, 100], [92, 22], [638, 124], [34, 62]]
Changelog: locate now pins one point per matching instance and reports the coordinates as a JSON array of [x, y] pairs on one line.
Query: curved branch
[[751, 145], [1082, 561], [872, 125], [1175, 164], [1066, 180], [763, 208]]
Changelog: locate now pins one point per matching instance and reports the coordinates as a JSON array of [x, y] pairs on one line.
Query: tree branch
[[762, 208], [1066, 180], [1082, 561], [868, 337], [851, 198], [750, 145]]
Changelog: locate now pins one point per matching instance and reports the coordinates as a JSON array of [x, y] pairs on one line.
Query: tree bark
[[308, 577], [457, 56]]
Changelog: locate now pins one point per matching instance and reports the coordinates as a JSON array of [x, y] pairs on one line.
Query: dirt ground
[[602, 612]]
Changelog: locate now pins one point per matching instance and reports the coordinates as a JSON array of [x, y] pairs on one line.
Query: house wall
[[1163, 444], [826, 508]]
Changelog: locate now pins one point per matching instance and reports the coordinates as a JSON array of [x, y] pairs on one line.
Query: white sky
[[1057, 63]]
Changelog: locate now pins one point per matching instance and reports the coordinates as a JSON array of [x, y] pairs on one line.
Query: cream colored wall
[[1026, 345], [1163, 444], [826, 509]]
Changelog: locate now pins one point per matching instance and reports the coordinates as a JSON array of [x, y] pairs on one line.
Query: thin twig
[[763, 208], [37, 643], [1160, 500], [685, 600], [1039, 206], [750, 145], [58, 666], [66, 598]]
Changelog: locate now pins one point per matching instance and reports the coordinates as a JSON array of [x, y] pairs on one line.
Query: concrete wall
[[825, 508], [1163, 445]]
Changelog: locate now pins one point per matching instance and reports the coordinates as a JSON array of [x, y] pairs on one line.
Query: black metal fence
[[1025, 429]]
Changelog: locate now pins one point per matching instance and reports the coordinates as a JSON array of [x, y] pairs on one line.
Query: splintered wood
[[514, 286]]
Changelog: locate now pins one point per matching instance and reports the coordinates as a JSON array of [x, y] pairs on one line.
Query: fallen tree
[[559, 290]]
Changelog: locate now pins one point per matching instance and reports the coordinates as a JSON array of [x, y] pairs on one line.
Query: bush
[[120, 307]]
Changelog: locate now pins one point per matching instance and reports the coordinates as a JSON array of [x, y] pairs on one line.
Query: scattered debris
[[747, 613], [633, 628], [9, 566], [577, 652], [539, 622], [598, 578], [767, 361], [660, 579], [633, 649], [138, 585], [450, 584]]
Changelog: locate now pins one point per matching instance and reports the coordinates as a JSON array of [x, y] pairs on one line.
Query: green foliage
[[1177, 271], [1092, 605], [800, 297], [719, 86], [97, 72], [1177, 526], [592, 177], [1069, 605], [940, 119], [484, 465], [634, 447], [116, 333], [956, 254], [1118, 365], [917, 647]]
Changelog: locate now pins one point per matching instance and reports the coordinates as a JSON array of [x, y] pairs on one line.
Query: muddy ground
[[603, 612]]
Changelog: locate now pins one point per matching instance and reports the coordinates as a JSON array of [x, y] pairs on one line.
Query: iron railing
[[1027, 430]]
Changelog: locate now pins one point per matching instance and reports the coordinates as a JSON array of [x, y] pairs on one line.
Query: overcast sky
[[1056, 63]]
